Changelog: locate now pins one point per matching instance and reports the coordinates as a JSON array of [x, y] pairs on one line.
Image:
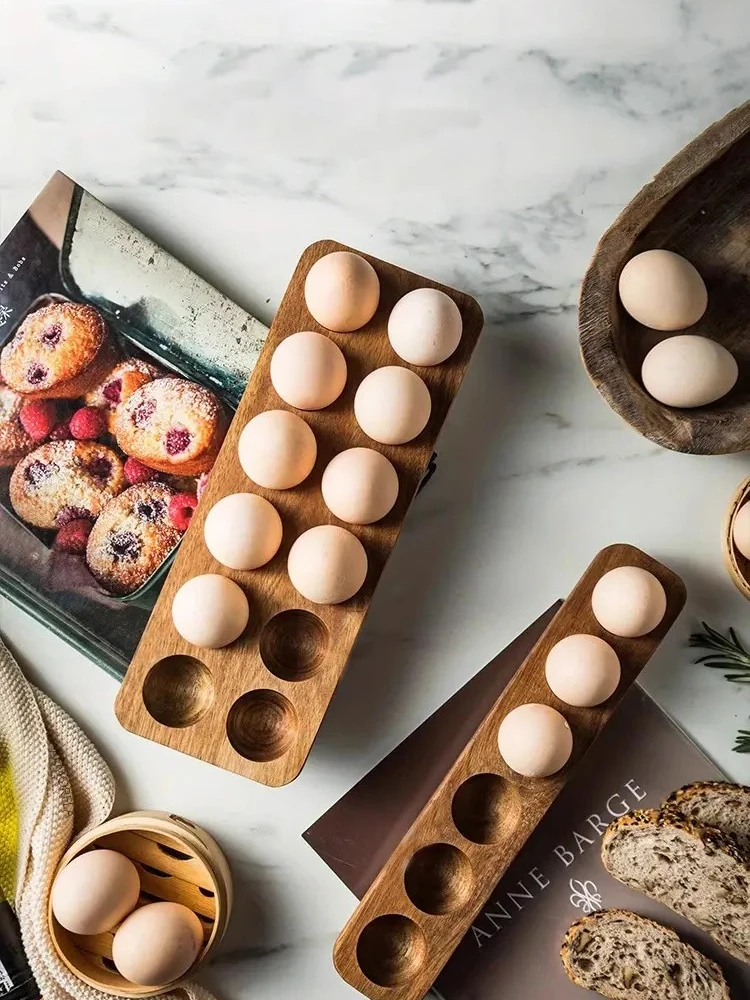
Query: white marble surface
[[486, 143]]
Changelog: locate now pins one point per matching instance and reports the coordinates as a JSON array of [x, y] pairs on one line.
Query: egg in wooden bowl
[[663, 314]]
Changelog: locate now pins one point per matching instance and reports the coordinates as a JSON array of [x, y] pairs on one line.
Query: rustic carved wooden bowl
[[698, 205]]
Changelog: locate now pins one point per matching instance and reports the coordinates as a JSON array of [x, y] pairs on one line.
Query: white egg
[[535, 740], [342, 291], [277, 450], [210, 611], [243, 531], [359, 485], [392, 405], [741, 530], [308, 370], [95, 891], [157, 944], [327, 564], [688, 371], [425, 327], [628, 601], [582, 670], [662, 290]]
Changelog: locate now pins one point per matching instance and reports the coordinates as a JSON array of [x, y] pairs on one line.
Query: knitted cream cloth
[[62, 788]]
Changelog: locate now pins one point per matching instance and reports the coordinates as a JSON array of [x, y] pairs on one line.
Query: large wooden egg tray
[[426, 897], [698, 206], [255, 706], [177, 862]]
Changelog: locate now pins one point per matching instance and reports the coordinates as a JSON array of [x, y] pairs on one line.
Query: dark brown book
[[512, 949]]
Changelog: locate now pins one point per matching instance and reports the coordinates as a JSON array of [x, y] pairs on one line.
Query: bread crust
[[710, 837], [585, 923]]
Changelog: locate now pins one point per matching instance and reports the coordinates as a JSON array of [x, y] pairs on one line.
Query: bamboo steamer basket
[[178, 862], [737, 565]]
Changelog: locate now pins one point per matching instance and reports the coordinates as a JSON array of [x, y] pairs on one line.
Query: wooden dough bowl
[[176, 861], [698, 205]]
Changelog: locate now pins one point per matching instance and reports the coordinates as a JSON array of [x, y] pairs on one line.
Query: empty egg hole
[[262, 725], [178, 691], [391, 950], [486, 808], [293, 645], [439, 879]]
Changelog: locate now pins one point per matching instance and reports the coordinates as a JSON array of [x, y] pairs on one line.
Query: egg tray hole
[[439, 879], [486, 808], [391, 950]]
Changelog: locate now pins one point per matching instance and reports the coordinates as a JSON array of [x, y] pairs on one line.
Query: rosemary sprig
[[725, 653]]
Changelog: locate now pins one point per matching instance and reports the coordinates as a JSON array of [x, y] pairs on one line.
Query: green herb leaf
[[725, 653]]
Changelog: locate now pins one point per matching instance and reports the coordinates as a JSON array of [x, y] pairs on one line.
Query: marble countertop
[[486, 143]]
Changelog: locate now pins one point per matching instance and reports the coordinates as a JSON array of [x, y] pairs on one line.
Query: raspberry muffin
[[131, 538], [172, 425], [65, 480], [14, 441], [119, 385], [59, 351]]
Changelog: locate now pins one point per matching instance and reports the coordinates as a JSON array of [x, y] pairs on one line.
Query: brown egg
[[95, 891], [342, 291], [157, 944]]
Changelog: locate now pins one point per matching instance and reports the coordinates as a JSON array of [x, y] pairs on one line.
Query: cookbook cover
[[512, 949], [119, 372]]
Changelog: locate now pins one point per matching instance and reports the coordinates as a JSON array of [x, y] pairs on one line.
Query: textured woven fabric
[[62, 788]]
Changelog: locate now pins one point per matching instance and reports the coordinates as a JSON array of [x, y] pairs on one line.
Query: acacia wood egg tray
[[436, 881], [255, 706]]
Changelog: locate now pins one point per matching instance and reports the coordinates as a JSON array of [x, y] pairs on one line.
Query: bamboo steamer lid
[[177, 861]]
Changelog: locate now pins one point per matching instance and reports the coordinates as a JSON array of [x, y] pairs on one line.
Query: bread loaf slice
[[716, 803], [696, 870], [626, 957]]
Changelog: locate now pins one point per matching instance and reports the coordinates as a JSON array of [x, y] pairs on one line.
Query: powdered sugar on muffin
[[61, 351], [172, 425], [64, 480], [14, 440], [119, 384], [131, 538]]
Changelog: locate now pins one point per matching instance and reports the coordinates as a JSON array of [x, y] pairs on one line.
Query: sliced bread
[[626, 957], [716, 803], [696, 870]]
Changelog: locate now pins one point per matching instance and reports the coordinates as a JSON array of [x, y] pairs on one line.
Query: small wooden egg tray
[[697, 205], [737, 565], [255, 706], [177, 862], [427, 895]]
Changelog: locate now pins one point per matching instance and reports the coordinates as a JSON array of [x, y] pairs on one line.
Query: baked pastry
[[14, 441], [627, 957], [172, 425], [716, 803], [119, 384], [131, 538], [59, 351], [696, 870], [65, 480]]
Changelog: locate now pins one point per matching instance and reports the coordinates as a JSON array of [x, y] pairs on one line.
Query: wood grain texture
[[698, 205], [737, 564], [255, 706], [176, 861], [427, 895]]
